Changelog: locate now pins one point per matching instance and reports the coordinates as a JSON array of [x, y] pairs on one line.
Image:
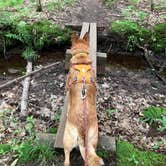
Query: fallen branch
[[146, 54], [26, 86], [27, 75]]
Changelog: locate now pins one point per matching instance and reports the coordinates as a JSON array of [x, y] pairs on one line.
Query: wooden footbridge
[[99, 61]]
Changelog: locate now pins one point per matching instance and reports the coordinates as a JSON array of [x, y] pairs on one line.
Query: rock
[[107, 143], [13, 71], [4, 106], [45, 112]]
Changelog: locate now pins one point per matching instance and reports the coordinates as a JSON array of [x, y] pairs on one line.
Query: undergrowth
[[16, 28], [128, 155], [155, 115], [29, 149], [154, 38], [33, 36]]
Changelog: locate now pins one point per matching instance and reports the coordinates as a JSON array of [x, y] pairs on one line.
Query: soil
[[97, 11]]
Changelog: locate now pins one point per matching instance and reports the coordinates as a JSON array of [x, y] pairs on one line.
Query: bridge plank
[[85, 28], [93, 44], [60, 133]]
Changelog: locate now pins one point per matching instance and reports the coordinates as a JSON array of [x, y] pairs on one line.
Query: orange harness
[[84, 75]]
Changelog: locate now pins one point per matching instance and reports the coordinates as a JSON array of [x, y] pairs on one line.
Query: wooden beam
[[105, 142], [59, 136], [79, 27], [101, 61], [93, 44], [85, 28]]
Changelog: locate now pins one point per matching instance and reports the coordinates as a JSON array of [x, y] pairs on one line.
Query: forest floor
[[103, 12], [122, 96], [123, 93]]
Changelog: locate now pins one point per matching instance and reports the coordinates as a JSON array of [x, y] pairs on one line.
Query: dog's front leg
[[67, 157]]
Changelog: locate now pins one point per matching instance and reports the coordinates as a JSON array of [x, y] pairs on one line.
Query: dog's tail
[[94, 160]]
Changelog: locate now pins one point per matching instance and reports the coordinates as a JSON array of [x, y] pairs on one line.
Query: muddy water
[[15, 65], [128, 61]]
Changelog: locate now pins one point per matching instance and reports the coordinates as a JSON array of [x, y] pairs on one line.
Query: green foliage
[[159, 37], [134, 32], [59, 4], [29, 53], [57, 115], [137, 34], [29, 149], [158, 144], [52, 130], [103, 153], [132, 12], [33, 151], [30, 127], [4, 148], [128, 155], [34, 36], [109, 3], [110, 111], [163, 123], [153, 114], [10, 3]]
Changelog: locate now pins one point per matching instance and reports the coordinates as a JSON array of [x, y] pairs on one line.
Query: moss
[[128, 155]]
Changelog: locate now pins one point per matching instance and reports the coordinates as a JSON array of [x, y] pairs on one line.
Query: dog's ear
[[86, 37], [74, 38]]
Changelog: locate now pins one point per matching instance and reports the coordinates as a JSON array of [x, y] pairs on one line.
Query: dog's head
[[80, 45], [80, 49]]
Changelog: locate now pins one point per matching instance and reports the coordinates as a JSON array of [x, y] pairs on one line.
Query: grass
[[128, 155], [33, 151]]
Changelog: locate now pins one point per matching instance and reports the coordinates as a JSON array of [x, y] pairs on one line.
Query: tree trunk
[[39, 6], [26, 85]]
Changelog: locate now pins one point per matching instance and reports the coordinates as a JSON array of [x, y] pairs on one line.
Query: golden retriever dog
[[81, 127]]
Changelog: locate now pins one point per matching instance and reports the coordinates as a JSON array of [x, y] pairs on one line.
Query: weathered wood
[[5, 85], [101, 61], [93, 44], [68, 56], [79, 27], [59, 136], [26, 86], [85, 28], [105, 142]]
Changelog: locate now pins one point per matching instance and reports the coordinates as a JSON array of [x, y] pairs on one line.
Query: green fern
[[153, 114], [30, 54]]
